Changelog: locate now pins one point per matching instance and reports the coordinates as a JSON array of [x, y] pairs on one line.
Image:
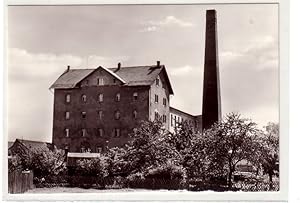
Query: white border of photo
[[164, 195]]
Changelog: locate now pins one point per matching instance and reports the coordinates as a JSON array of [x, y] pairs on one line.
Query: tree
[[270, 150], [117, 164], [182, 137], [149, 147], [96, 167], [47, 162], [230, 141], [41, 160]]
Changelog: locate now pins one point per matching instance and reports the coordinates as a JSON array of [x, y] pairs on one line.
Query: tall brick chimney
[[211, 106]]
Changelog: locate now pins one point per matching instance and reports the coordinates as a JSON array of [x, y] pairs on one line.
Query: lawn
[[81, 190]]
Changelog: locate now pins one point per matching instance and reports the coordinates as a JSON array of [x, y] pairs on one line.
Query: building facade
[[98, 108], [177, 117]]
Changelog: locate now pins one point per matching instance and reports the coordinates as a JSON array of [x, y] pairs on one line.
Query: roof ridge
[[30, 140], [136, 66]]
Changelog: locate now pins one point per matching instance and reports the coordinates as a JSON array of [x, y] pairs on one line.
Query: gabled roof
[[33, 144], [129, 76], [21, 146], [69, 79], [113, 74], [10, 144], [141, 75], [175, 110]]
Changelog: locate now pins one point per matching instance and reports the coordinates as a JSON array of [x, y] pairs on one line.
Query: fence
[[20, 181], [257, 187], [152, 183]]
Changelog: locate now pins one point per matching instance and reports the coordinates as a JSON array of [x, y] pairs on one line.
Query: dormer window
[[83, 98]]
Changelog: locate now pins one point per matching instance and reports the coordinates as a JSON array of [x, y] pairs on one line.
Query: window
[[67, 132], [157, 81], [66, 147], [100, 81], [67, 115], [100, 115], [134, 114], [164, 101], [100, 98], [171, 120], [83, 114], [83, 98], [118, 97], [68, 98], [156, 98], [82, 149], [83, 132], [100, 132], [117, 132], [164, 118], [98, 149], [115, 80], [135, 96], [117, 115], [156, 115]]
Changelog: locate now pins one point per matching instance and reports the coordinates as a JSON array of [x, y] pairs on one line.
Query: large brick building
[[98, 108]]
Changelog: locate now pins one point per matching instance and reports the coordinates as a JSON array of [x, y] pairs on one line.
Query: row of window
[[116, 132], [177, 119], [117, 98], [100, 115], [83, 149], [157, 117], [156, 99], [101, 97]]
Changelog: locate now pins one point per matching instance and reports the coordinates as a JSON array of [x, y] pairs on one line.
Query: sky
[[43, 40]]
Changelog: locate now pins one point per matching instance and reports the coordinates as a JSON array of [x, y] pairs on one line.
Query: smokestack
[[68, 68], [158, 63], [119, 67], [211, 106]]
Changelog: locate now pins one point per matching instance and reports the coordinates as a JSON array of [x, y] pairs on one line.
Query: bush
[[92, 167], [167, 171]]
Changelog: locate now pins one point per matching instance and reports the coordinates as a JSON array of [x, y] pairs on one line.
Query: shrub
[[96, 167], [167, 171]]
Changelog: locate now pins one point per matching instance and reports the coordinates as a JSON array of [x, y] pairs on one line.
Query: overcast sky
[[43, 40]]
